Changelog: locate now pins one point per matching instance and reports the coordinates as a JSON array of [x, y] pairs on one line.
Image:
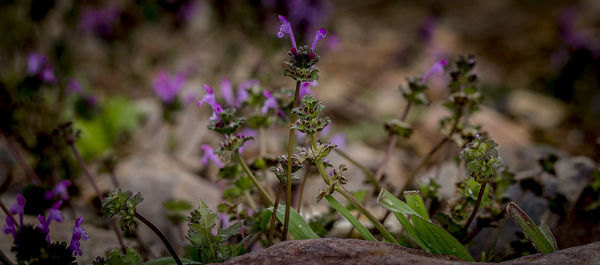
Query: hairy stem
[[364, 169], [474, 212], [253, 178], [21, 159], [288, 184], [98, 193], [272, 221], [161, 236], [318, 161]]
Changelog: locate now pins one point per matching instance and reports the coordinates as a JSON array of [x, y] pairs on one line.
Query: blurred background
[[97, 63]]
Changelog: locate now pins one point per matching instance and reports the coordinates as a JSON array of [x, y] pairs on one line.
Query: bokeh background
[[538, 64]]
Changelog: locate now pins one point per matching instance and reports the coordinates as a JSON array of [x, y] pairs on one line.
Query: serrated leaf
[[538, 238], [364, 232], [297, 226]]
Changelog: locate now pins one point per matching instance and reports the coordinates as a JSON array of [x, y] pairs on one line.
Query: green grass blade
[[440, 241], [364, 232], [413, 199], [412, 232], [537, 238], [297, 227], [548, 235], [390, 202]]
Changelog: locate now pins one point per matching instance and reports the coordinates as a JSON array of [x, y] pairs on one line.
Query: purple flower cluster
[[228, 94], [38, 65], [17, 208], [59, 190], [286, 29], [436, 68], [305, 88], [167, 86], [54, 214], [78, 235]]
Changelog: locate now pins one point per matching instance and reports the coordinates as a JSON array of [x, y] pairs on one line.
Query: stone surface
[[353, 251]]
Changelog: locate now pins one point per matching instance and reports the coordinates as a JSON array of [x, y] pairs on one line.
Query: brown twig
[[288, 184], [21, 159], [160, 235]]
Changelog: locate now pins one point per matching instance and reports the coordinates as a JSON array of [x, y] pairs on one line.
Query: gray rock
[[353, 251]]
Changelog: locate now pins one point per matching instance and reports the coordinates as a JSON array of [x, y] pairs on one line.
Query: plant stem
[[4, 259], [288, 184], [253, 178], [318, 161], [364, 169], [474, 212], [7, 212], [262, 151], [161, 236], [306, 174], [386, 234], [272, 221], [15, 150], [98, 193]]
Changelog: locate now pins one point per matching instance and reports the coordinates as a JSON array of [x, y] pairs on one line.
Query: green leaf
[[364, 232], [170, 261], [427, 235], [416, 203], [131, 258], [297, 227], [390, 202], [544, 241]]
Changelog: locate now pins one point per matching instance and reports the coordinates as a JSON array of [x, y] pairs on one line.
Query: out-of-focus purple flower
[[305, 88], [321, 33], [35, 63], [19, 208], [209, 99], [38, 65], [286, 28], [427, 29], [54, 212], [74, 86], [100, 21], [10, 228], [573, 37], [167, 87], [78, 235], [436, 68], [309, 13], [242, 92], [227, 92], [224, 220], [333, 42], [339, 139], [209, 153], [270, 102], [187, 10], [190, 98], [59, 189], [44, 226]]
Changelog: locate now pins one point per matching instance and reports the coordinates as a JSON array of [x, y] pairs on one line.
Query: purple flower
[[59, 189], [270, 102], [44, 226], [339, 139], [167, 87], [318, 36], [37, 65], [187, 10], [436, 68], [190, 98], [227, 92], [54, 213], [242, 92], [246, 132], [209, 99], [427, 29], [286, 28], [305, 88], [209, 153], [19, 208], [100, 21], [78, 235], [333, 42], [74, 86], [10, 228]]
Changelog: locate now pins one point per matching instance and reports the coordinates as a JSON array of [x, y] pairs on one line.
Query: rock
[[354, 251], [541, 111]]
